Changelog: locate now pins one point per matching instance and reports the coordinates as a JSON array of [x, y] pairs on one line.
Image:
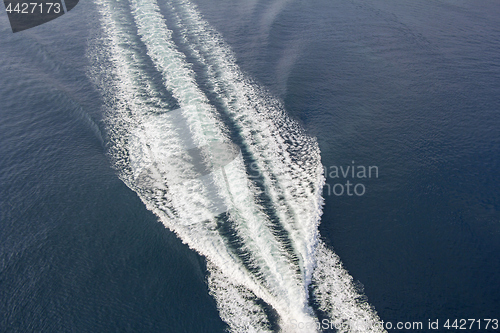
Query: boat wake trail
[[221, 165]]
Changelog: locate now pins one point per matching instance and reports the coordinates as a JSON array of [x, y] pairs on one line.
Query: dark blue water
[[411, 88]]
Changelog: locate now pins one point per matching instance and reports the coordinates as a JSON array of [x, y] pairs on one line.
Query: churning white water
[[239, 183]]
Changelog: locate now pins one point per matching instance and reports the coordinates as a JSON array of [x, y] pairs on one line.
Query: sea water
[[99, 106]]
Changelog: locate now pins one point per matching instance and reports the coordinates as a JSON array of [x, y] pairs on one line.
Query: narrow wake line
[[166, 151]]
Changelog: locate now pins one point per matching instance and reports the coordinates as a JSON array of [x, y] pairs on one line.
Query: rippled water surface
[[176, 166]]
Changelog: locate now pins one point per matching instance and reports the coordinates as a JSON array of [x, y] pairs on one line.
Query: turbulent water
[[216, 118], [254, 216]]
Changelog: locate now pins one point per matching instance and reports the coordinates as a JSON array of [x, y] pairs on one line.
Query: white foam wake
[[334, 289], [288, 161], [259, 234]]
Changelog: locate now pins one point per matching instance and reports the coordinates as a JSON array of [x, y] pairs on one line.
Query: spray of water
[[251, 209]]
